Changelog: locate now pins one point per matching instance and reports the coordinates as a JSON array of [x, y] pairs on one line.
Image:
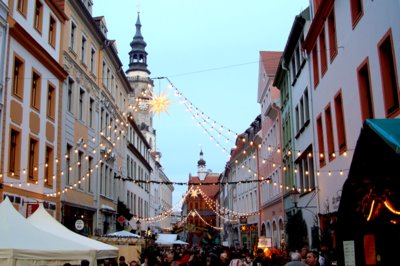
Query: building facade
[[272, 215], [94, 122], [243, 183], [32, 103], [200, 206], [3, 58], [354, 76]]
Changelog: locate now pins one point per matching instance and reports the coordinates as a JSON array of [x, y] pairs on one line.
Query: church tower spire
[[138, 54], [142, 86], [201, 166]]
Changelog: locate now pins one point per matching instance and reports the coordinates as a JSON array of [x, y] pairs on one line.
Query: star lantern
[[159, 103], [193, 193]]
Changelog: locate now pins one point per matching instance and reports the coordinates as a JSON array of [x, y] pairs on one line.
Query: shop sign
[[79, 224]]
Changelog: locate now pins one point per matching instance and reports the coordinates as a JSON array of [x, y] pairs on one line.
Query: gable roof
[[210, 184], [270, 61]]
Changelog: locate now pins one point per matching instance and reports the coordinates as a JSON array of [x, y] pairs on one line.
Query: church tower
[[201, 167], [142, 86]]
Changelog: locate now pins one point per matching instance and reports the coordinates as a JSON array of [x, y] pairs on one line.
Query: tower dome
[[201, 162]]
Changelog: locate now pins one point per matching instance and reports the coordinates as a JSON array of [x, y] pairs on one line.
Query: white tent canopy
[[166, 239], [44, 221], [22, 244], [180, 242], [123, 233]]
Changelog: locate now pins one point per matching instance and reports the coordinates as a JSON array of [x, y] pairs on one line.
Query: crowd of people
[[224, 256], [221, 256]]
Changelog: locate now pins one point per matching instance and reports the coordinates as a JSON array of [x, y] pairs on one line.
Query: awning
[[368, 214], [388, 130], [106, 208]]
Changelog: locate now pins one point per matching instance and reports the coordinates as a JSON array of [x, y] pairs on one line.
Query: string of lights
[[202, 120]]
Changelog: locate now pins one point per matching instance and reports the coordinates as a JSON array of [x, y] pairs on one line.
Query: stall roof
[[388, 130], [166, 239], [44, 221], [21, 240]]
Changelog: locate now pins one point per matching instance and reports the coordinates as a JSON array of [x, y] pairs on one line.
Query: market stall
[[23, 244], [44, 221]]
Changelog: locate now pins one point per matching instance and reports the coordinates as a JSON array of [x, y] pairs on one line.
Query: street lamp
[[138, 225], [295, 197]]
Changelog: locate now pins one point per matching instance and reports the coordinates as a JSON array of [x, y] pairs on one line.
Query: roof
[[44, 221], [166, 239], [270, 61], [388, 130], [20, 239], [210, 184]]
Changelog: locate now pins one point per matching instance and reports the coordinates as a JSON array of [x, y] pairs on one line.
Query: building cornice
[[30, 44]]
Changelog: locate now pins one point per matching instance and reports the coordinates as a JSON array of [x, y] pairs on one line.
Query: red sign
[[121, 219], [31, 208]]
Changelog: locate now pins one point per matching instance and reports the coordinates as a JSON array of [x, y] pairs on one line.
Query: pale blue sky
[[209, 49]]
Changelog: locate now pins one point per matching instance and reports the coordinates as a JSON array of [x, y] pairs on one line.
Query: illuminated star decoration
[[159, 103], [193, 193]]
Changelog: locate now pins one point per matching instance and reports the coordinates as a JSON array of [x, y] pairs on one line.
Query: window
[[103, 73], [298, 61], [37, 24], [302, 112], [33, 154], [21, 6], [68, 165], [101, 120], [35, 90], [306, 169], [18, 77], [306, 107], [72, 36], [315, 66], [102, 179], [48, 167], [389, 75], [321, 145], [112, 86], [108, 79], [70, 94], [91, 106], [79, 169], [340, 126], [322, 52], [89, 176], [83, 50], [329, 133], [52, 32], [51, 101], [92, 60], [365, 90], [106, 129], [293, 65], [14, 155], [356, 8], [81, 103], [297, 119], [332, 35]]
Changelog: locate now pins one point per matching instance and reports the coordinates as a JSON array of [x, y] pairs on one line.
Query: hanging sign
[[79, 224]]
